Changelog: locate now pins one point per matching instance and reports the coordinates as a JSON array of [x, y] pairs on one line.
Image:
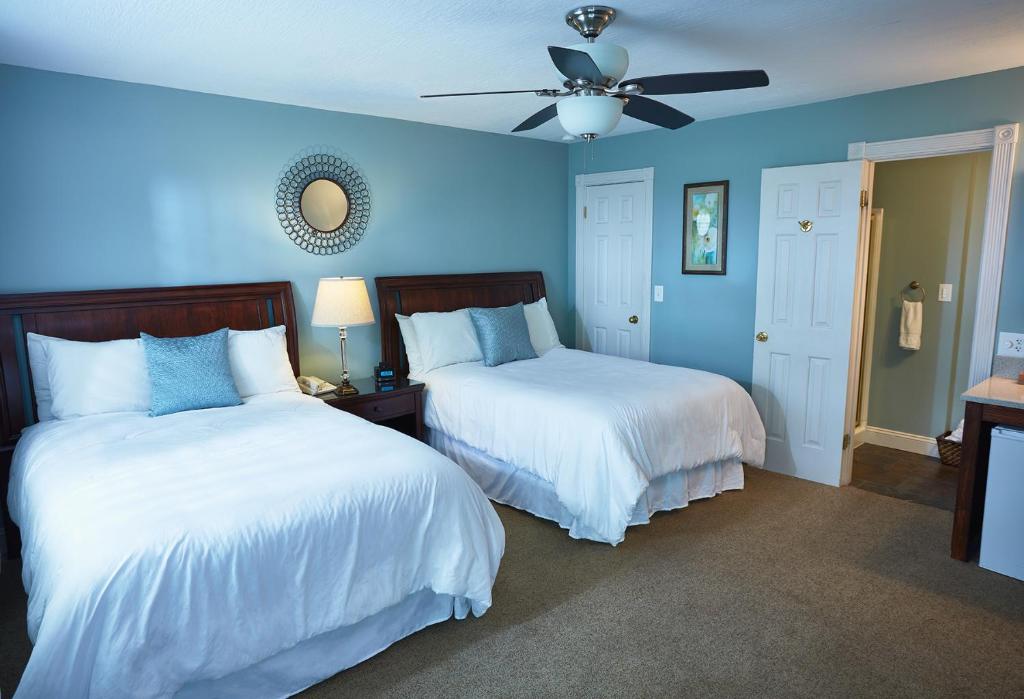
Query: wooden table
[[995, 401]]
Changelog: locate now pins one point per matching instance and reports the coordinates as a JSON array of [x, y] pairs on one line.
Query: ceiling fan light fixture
[[597, 115], [612, 60]]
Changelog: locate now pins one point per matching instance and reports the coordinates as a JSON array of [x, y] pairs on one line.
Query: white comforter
[[598, 428], [159, 551]]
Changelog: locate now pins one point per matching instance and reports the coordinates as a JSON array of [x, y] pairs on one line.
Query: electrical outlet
[[1011, 345], [659, 293], [945, 292]]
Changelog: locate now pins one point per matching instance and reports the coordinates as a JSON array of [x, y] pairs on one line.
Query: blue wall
[[708, 321], [107, 184]]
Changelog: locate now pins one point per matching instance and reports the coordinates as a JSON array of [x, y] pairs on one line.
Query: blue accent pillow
[[189, 373], [503, 334]]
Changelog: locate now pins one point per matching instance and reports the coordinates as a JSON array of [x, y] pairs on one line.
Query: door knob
[[634, 320], [761, 336]]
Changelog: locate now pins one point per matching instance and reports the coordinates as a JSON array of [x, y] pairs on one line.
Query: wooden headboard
[[124, 313], [446, 292]]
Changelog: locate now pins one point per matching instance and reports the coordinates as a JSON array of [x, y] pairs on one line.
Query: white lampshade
[[611, 60], [583, 114], [342, 302]]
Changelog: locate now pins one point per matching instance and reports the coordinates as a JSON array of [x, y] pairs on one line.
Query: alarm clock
[[384, 374]]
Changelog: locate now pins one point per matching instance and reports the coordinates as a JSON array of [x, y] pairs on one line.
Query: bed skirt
[[523, 490], [323, 656]]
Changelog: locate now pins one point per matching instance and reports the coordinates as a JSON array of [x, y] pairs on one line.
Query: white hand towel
[[957, 435], [910, 325]]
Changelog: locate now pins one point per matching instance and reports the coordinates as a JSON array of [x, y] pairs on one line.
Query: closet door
[[615, 271]]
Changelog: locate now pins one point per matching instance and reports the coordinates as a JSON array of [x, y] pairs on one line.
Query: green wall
[[932, 230]]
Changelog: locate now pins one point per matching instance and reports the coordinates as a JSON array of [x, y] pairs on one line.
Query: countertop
[[997, 390]]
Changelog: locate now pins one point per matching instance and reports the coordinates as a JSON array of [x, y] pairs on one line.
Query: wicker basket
[[949, 451]]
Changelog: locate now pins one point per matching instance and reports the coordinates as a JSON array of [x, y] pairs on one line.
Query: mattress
[[162, 555], [599, 430]]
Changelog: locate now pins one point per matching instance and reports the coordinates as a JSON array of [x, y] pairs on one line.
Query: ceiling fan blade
[[547, 114], [470, 94], [576, 65], [688, 83], [654, 112]]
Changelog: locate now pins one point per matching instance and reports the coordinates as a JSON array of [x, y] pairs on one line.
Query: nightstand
[[399, 407]]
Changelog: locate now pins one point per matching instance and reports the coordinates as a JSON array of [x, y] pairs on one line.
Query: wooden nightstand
[[399, 407]]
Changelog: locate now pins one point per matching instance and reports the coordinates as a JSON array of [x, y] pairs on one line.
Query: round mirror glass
[[324, 205]]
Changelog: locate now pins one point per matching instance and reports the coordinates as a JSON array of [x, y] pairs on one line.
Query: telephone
[[314, 385]]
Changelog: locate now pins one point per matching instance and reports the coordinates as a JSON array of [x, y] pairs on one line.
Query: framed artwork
[[705, 224]]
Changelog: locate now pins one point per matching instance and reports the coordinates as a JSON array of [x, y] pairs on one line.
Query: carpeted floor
[[785, 589]]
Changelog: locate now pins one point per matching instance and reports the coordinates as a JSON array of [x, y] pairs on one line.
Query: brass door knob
[[634, 320], [761, 336]]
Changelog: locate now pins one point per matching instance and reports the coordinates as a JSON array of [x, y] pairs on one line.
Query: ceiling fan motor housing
[[612, 60], [590, 20]]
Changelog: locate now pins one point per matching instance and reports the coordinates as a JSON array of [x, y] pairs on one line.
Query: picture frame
[[705, 227]]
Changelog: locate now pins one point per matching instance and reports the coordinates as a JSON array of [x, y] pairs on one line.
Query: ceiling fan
[[598, 96]]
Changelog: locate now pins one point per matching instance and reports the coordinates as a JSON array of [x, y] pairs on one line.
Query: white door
[[614, 266], [807, 276]]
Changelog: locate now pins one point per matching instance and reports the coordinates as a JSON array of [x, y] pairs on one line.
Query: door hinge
[[846, 442], [584, 212], [863, 198]]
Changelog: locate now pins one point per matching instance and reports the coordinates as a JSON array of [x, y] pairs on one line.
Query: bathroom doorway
[[923, 252]]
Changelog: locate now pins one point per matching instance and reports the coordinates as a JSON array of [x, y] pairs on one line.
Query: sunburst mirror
[[323, 202]]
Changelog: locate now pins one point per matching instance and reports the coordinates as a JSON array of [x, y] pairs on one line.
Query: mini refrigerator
[[1002, 528]]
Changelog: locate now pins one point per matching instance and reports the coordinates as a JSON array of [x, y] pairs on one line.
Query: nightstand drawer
[[399, 408], [383, 407]]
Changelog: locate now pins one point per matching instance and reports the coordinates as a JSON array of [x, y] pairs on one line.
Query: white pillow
[[446, 338], [89, 378], [543, 335], [259, 361], [37, 366], [412, 345]]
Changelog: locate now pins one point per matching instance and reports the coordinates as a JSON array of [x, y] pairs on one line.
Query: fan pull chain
[[589, 156]]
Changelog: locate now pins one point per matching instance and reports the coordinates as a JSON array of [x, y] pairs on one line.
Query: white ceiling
[[376, 56]]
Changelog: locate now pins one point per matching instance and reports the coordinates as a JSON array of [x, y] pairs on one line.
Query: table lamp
[[342, 302]]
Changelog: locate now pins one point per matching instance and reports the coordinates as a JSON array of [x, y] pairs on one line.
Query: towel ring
[[913, 286]]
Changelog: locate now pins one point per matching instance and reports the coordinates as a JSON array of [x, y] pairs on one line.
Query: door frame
[[875, 228], [1002, 141], [646, 177]]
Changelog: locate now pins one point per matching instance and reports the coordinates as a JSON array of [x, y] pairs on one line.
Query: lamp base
[[346, 389]]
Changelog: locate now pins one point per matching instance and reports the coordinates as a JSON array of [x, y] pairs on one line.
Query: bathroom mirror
[[324, 205]]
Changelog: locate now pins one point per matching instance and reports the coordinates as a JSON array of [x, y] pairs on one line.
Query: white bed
[[237, 552], [593, 442]]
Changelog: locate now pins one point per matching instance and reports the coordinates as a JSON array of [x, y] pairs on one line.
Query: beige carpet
[[785, 589]]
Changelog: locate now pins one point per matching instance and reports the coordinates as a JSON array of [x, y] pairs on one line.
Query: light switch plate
[[1011, 345], [945, 292], [659, 293]]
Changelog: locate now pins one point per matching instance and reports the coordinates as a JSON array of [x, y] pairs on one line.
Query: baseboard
[[897, 440], [858, 435]]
